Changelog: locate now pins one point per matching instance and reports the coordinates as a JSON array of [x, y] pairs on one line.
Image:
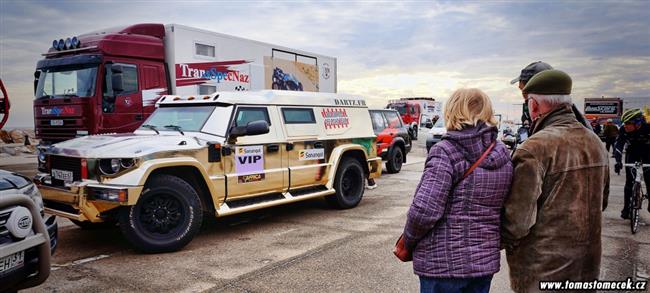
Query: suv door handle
[[318, 145], [138, 117], [289, 147], [272, 148]]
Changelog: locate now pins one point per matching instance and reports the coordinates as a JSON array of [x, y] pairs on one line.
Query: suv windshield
[[440, 123], [189, 118], [67, 81]]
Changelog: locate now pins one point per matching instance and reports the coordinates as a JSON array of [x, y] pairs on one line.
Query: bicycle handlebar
[[634, 165]]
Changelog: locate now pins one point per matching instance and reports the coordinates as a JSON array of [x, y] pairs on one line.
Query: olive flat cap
[[549, 82]]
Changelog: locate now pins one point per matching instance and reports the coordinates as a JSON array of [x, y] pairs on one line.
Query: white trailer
[[202, 62]]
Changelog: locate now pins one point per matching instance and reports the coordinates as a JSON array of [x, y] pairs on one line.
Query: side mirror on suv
[[252, 128]]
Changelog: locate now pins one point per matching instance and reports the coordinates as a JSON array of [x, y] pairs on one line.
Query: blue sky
[[385, 49]]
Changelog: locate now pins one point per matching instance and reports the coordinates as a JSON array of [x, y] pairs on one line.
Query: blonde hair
[[466, 107]]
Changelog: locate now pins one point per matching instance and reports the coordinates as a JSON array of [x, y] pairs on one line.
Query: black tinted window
[[249, 114], [298, 116]]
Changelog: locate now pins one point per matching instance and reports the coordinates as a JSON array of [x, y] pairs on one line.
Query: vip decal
[[197, 73], [311, 154], [56, 111], [335, 118], [346, 102], [249, 159], [250, 178]]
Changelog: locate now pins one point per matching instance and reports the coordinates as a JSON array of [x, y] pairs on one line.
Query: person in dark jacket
[[553, 214], [452, 225], [610, 132]]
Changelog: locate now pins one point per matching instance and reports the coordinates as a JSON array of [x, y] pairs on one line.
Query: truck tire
[[395, 160], [349, 184], [166, 217]]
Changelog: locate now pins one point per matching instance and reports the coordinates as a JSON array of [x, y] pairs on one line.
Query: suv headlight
[[113, 166]]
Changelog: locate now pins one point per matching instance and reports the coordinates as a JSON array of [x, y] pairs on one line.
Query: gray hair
[[551, 100]]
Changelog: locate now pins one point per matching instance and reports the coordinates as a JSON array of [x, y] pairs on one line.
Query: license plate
[[66, 176], [11, 262], [57, 122]]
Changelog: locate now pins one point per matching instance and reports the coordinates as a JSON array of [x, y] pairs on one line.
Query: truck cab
[[101, 82], [219, 154], [410, 113]]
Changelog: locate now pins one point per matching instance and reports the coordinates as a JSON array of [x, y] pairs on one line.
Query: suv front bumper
[[73, 201]]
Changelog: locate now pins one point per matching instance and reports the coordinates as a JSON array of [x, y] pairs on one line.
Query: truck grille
[[66, 164], [4, 216]]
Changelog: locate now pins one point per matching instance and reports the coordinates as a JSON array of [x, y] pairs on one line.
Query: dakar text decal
[[335, 118], [249, 159], [198, 73]]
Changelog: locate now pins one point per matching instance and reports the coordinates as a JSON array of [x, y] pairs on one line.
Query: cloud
[[384, 49]]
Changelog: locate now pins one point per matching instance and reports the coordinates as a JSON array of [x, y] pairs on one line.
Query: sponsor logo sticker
[[249, 159], [335, 118], [250, 178], [311, 154]]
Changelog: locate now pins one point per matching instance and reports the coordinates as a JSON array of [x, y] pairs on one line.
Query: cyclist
[[635, 132]]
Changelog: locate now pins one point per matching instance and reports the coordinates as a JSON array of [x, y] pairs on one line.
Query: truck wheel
[[166, 216], [86, 225], [349, 184], [395, 160]]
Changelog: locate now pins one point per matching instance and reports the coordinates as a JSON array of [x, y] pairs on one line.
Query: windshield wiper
[[150, 127], [175, 127]]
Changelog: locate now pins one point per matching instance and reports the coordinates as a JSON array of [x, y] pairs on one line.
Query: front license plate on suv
[[65, 176], [13, 261], [57, 122]]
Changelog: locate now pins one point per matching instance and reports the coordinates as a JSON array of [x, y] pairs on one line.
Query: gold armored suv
[[220, 154]]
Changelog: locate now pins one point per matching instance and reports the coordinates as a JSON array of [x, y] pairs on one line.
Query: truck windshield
[[191, 118], [57, 82], [400, 108]]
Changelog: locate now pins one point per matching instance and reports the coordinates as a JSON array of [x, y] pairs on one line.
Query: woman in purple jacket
[[452, 225]]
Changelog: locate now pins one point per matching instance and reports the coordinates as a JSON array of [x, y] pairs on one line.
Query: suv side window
[[393, 120], [298, 116], [378, 122], [248, 114]]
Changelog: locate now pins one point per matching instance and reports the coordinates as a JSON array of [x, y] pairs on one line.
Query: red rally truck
[[108, 81], [411, 112]]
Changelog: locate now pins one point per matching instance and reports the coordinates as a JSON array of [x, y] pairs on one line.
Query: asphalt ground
[[303, 247]]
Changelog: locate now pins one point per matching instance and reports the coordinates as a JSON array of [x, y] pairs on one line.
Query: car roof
[[268, 97]]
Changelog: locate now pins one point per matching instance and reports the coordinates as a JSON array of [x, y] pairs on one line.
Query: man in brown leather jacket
[[552, 217]]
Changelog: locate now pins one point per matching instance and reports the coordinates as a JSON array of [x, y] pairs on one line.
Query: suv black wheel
[[166, 216], [349, 184], [395, 160]]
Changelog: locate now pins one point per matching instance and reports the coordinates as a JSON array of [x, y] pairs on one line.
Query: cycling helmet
[[631, 115]]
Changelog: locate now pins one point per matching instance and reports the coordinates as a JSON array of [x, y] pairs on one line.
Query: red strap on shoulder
[[469, 171]]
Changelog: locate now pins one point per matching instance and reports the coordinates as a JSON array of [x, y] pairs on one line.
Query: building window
[[204, 50], [207, 89], [298, 116]]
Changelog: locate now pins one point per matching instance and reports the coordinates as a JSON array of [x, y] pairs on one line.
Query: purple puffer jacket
[[463, 242]]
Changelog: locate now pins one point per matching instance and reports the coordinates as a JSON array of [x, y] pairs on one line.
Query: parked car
[[219, 155], [393, 139], [27, 239], [436, 133]]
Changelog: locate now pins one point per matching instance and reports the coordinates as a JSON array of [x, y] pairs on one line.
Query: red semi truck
[[108, 81], [411, 112]]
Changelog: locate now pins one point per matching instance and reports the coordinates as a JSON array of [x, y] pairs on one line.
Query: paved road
[[298, 248]]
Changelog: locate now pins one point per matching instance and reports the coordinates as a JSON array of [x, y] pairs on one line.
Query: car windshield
[[191, 118], [440, 123], [60, 82]]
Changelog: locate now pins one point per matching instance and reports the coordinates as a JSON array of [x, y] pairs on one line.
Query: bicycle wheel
[[635, 203]]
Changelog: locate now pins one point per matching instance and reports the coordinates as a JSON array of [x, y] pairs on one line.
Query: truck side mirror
[[37, 75], [252, 128]]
